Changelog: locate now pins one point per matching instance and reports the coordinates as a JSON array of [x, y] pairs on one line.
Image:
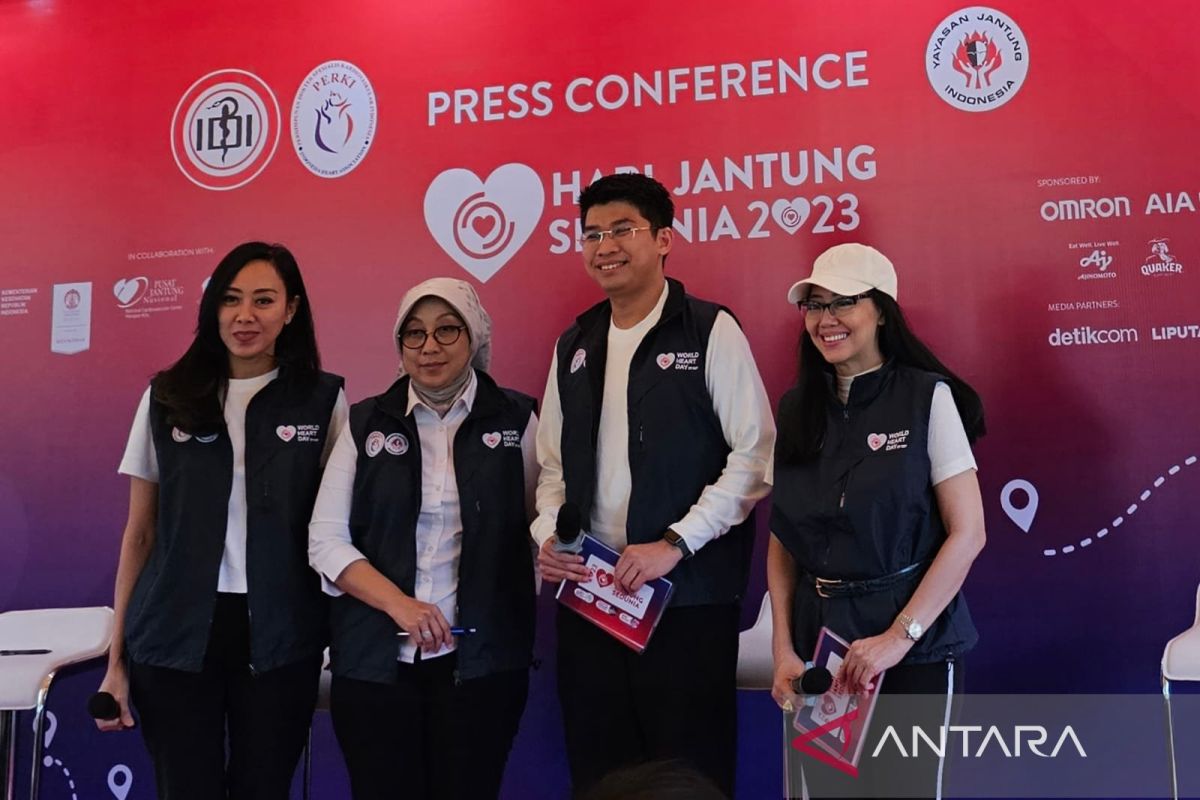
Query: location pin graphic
[[120, 780], [1022, 516], [48, 736]]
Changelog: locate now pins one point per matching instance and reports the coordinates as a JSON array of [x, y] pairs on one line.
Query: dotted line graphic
[[51, 761], [1118, 521]]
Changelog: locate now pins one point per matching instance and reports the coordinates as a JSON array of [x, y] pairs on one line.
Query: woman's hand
[[555, 566], [116, 683], [424, 622], [868, 657], [788, 667]]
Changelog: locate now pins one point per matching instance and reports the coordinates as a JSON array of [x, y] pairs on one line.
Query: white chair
[[1180, 662], [756, 665], [34, 645]]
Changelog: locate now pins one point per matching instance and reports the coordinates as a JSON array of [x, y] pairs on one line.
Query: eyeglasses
[[414, 338], [594, 238], [835, 306]]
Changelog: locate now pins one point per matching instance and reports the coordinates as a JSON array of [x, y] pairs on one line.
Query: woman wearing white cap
[[877, 515], [420, 531]]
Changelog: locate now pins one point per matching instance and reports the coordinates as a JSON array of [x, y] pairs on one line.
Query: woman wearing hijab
[[420, 531], [220, 623], [877, 514]]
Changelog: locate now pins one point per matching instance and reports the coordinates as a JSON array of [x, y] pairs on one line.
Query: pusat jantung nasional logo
[[333, 119], [225, 129], [977, 59]]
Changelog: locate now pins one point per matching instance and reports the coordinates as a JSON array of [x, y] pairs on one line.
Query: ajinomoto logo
[[977, 59], [225, 129]]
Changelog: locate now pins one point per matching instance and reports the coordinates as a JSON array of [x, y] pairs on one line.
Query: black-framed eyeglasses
[[594, 238], [414, 338], [835, 306]]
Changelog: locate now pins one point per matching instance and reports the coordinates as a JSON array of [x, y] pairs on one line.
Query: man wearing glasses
[[657, 427]]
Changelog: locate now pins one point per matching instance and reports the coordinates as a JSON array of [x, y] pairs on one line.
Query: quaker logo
[[1161, 260], [483, 224], [888, 441], [396, 444], [225, 129], [977, 59], [578, 361], [333, 119]]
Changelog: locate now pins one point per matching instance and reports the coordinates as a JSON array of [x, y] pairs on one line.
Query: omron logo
[[1085, 208]]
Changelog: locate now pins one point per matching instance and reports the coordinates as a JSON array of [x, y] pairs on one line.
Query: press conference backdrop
[[1029, 167]]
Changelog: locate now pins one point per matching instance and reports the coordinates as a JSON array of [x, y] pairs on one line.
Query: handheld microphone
[[812, 684], [103, 705], [566, 530]]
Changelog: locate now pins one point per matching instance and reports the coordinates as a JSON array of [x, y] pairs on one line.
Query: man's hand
[[556, 566], [645, 562]]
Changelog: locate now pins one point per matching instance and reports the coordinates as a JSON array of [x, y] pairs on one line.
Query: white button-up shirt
[[439, 523]]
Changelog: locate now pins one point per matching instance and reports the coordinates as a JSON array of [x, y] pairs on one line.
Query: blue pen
[[453, 632]]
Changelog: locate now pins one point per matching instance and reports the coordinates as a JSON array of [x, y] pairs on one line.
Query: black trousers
[[911, 695], [187, 718], [677, 700], [426, 736]]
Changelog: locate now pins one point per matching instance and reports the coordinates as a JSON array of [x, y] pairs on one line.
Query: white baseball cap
[[848, 269]]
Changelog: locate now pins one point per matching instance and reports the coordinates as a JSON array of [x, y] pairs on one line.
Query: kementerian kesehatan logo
[[977, 59], [333, 119], [225, 129]]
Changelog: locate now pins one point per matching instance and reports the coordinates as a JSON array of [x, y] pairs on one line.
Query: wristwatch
[[673, 538], [912, 629]]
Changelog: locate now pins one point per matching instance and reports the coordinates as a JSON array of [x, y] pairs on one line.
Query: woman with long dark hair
[[877, 515], [220, 623], [421, 533]]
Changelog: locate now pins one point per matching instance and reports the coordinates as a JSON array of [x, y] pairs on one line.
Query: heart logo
[[491, 440], [665, 360], [482, 224], [604, 577], [129, 290], [876, 440], [790, 214], [286, 432]]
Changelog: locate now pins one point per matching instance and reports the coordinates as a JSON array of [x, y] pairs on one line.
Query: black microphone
[[103, 705], [812, 684], [566, 530]]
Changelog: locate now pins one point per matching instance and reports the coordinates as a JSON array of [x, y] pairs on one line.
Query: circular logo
[[180, 436], [72, 299], [977, 59], [207, 438], [333, 119], [481, 228], [396, 444], [225, 129], [374, 443]]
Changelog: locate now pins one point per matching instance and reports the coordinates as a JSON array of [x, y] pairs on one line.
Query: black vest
[[495, 572], [170, 610], [676, 444], [865, 508]]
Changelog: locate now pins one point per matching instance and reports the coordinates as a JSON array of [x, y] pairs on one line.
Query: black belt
[[832, 587]]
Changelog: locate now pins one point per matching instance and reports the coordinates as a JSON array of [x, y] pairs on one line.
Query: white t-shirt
[[948, 447], [141, 461], [740, 403]]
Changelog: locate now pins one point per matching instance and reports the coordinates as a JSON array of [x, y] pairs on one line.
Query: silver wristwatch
[[912, 629]]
